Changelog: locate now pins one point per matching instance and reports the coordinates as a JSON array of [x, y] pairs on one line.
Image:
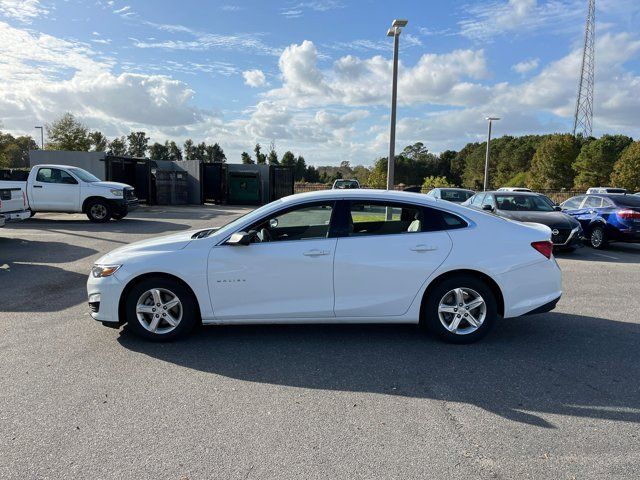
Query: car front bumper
[[124, 206], [104, 298]]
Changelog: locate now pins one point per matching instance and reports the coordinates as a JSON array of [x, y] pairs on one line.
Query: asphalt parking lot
[[548, 396]]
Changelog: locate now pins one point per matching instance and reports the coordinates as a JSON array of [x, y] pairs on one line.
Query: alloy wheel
[[462, 310], [159, 310], [98, 211]]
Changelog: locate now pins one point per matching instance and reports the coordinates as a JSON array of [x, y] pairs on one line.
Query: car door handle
[[37, 186], [424, 248], [315, 253]]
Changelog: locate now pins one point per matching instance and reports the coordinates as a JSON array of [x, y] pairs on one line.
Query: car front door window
[[302, 223]]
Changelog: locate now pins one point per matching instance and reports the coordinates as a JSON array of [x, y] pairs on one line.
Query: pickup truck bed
[[12, 205]]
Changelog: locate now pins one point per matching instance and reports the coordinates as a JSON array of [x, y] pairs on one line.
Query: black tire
[[431, 319], [32, 213], [189, 311], [118, 216], [98, 211], [598, 238]]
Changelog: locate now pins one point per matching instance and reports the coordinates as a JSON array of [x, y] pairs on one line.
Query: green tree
[[118, 147], [174, 151], [288, 159], [301, 168], [626, 171], [551, 164], [98, 141], [158, 151], [14, 151], [260, 157], [434, 182], [459, 163], [216, 154], [246, 158], [200, 152], [272, 157], [67, 133], [138, 144], [595, 162], [189, 150], [311, 174]]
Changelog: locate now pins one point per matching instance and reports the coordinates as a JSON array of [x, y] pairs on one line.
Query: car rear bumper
[[547, 307], [17, 216], [531, 287]]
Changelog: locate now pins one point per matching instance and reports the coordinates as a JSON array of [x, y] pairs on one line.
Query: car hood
[[110, 185], [550, 219], [168, 243]]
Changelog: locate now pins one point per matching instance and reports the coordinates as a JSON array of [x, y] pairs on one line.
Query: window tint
[[455, 195], [302, 223], [451, 221], [573, 203], [523, 203], [54, 175], [477, 200], [593, 202], [381, 218]]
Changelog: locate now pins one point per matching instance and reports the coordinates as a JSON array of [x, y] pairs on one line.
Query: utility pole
[[394, 31], [486, 160], [583, 118]]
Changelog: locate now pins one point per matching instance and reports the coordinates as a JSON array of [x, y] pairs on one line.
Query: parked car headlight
[[99, 271], [117, 193]]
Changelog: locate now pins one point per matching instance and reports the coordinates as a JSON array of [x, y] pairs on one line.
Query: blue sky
[[314, 76]]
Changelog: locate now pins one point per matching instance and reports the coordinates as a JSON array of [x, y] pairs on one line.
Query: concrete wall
[[92, 162], [192, 167]]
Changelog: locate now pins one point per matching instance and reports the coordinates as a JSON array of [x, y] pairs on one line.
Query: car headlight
[[117, 193], [99, 271]]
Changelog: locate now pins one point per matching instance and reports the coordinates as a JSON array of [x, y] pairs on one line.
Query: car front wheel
[[98, 211], [160, 309], [460, 309], [598, 238]]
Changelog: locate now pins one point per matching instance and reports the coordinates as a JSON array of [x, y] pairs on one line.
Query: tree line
[[553, 161]]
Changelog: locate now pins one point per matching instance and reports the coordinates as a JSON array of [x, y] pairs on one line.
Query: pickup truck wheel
[[160, 309], [98, 211]]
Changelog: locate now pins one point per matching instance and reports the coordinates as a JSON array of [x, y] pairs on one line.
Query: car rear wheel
[[598, 238], [160, 309], [98, 211], [460, 309]]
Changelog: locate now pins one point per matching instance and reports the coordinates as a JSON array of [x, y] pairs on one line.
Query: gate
[[212, 182], [131, 171], [281, 182]]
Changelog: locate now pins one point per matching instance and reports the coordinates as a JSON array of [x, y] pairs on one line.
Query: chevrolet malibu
[[337, 256]]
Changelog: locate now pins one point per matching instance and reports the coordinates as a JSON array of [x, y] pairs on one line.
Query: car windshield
[[455, 195], [523, 203], [84, 175]]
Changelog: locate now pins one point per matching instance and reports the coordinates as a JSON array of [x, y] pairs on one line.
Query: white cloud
[[22, 10], [526, 66], [489, 19], [254, 78], [297, 10]]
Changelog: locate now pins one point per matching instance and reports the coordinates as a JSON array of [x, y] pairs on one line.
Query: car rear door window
[[381, 218]]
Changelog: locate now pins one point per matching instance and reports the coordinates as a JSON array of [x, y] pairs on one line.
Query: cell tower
[[583, 119]]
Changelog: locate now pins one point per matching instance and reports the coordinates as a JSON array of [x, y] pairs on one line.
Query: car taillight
[[545, 248], [628, 214], [24, 200]]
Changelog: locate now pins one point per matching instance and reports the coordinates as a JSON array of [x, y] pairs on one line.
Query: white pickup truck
[[13, 205], [63, 188]]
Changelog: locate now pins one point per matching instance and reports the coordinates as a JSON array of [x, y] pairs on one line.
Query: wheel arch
[[140, 278], [495, 288], [89, 199]]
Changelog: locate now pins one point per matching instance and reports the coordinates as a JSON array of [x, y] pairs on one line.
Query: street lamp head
[[492, 118], [391, 32], [399, 23]]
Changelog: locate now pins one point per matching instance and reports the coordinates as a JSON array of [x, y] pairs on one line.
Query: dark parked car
[[457, 195], [611, 217], [566, 232]]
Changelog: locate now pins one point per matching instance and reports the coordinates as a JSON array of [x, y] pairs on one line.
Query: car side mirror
[[241, 238], [487, 208], [557, 208]]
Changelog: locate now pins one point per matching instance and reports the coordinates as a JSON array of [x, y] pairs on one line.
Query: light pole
[[394, 31], [41, 136], [486, 160]]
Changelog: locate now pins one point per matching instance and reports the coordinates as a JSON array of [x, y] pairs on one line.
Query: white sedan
[[337, 256]]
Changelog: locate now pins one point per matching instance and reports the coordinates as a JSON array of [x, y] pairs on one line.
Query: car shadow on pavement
[[19, 250], [614, 253], [554, 363], [126, 226]]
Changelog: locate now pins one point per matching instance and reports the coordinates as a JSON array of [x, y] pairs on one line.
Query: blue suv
[[605, 218]]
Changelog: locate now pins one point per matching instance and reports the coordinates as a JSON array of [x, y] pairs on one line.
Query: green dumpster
[[244, 188]]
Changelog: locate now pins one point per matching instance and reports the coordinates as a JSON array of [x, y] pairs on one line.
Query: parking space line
[[606, 256]]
